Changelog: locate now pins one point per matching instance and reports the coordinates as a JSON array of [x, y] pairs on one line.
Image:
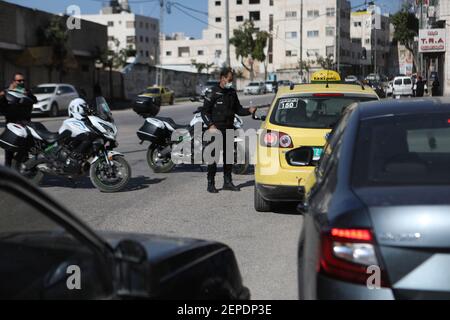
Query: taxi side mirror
[[302, 157]]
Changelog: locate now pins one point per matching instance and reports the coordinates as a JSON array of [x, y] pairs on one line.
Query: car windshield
[[44, 90], [152, 90], [253, 84], [312, 112], [103, 110], [403, 150]]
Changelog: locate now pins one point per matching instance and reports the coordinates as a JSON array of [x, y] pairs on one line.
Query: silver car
[[255, 88]]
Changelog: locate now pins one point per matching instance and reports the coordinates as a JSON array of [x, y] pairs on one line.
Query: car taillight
[[274, 139], [347, 254]]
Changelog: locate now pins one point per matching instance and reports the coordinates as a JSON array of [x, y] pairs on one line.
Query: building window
[[146, 25], [110, 23], [111, 38], [255, 15], [218, 19], [240, 18], [329, 31], [131, 39], [131, 24], [183, 52], [331, 12], [218, 36], [146, 39], [146, 54], [367, 41], [218, 53], [254, 1], [357, 24], [291, 14], [168, 53], [312, 52], [313, 13], [291, 35], [141, 25], [313, 34], [200, 53], [141, 39], [238, 2], [218, 4], [291, 53]]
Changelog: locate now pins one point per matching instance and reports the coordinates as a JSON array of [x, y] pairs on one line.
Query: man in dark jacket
[[16, 113], [420, 87], [218, 112]]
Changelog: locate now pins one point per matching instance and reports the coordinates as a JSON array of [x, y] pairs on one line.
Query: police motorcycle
[[84, 145], [159, 132]]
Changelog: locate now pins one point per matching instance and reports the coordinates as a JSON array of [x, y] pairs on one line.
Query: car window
[[43, 90], [403, 150], [398, 82], [152, 90], [66, 90], [321, 112], [37, 256], [407, 81], [333, 144]]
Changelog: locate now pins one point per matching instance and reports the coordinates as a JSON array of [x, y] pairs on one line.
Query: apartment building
[[371, 30], [129, 30], [281, 18]]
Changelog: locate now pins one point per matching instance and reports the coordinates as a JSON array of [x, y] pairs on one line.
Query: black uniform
[[219, 109], [15, 113]]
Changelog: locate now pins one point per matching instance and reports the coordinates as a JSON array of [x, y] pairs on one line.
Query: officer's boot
[[228, 183], [212, 186]]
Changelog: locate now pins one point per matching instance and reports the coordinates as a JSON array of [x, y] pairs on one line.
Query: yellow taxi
[[165, 95], [300, 116]]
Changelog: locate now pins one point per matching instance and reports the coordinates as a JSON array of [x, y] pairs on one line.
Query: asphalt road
[[176, 204]]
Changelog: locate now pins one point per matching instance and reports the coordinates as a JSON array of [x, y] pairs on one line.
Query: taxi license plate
[[317, 154]]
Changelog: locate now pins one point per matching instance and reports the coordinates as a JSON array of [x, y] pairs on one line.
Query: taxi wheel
[[261, 205]]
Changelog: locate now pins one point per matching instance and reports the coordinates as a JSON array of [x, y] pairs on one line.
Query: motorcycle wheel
[[34, 175], [241, 169], [106, 181], [156, 163]]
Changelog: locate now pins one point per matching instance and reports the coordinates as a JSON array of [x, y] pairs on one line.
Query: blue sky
[[176, 21]]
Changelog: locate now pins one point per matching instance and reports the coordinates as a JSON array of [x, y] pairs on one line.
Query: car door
[[45, 253], [68, 95], [163, 95], [407, 86]]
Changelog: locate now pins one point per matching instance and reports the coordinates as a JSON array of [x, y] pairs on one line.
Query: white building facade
[[281, 18], [129, 30], [371, 30]]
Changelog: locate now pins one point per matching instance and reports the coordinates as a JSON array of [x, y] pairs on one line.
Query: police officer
[[16, 113], [218, 112]]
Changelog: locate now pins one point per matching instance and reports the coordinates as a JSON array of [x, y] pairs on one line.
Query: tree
[[406, 29], [326, 63], [56, 36], [249, 43], [305, 66], [202, 66]]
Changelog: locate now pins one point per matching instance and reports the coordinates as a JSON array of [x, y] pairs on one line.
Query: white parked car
[[53, 98], [255, 88], [389, 88], [271, 86], [402, 86]]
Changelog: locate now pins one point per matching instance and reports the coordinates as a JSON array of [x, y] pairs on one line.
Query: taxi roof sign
[[325, 76]]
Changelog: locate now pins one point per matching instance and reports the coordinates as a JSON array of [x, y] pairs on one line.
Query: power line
[[189, 8], [175, 5]]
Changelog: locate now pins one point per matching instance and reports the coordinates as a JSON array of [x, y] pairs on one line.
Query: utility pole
[[338, 36], [160, 73], [227, 32], [301, 38], [421, 27]]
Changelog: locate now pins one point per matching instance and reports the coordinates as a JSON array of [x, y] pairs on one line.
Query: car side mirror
[[263, 118], [302, 157], [133, 271], [59, 92]]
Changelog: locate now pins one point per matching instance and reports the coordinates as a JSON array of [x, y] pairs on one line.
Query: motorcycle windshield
[[102, 110]]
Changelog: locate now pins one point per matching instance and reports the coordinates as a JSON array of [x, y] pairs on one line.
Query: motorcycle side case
[[147, 106], [14, 138], [155, 131]]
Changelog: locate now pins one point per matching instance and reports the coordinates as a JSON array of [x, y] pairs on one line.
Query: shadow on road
[[247, 184], [135, 183], [288, 208]]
